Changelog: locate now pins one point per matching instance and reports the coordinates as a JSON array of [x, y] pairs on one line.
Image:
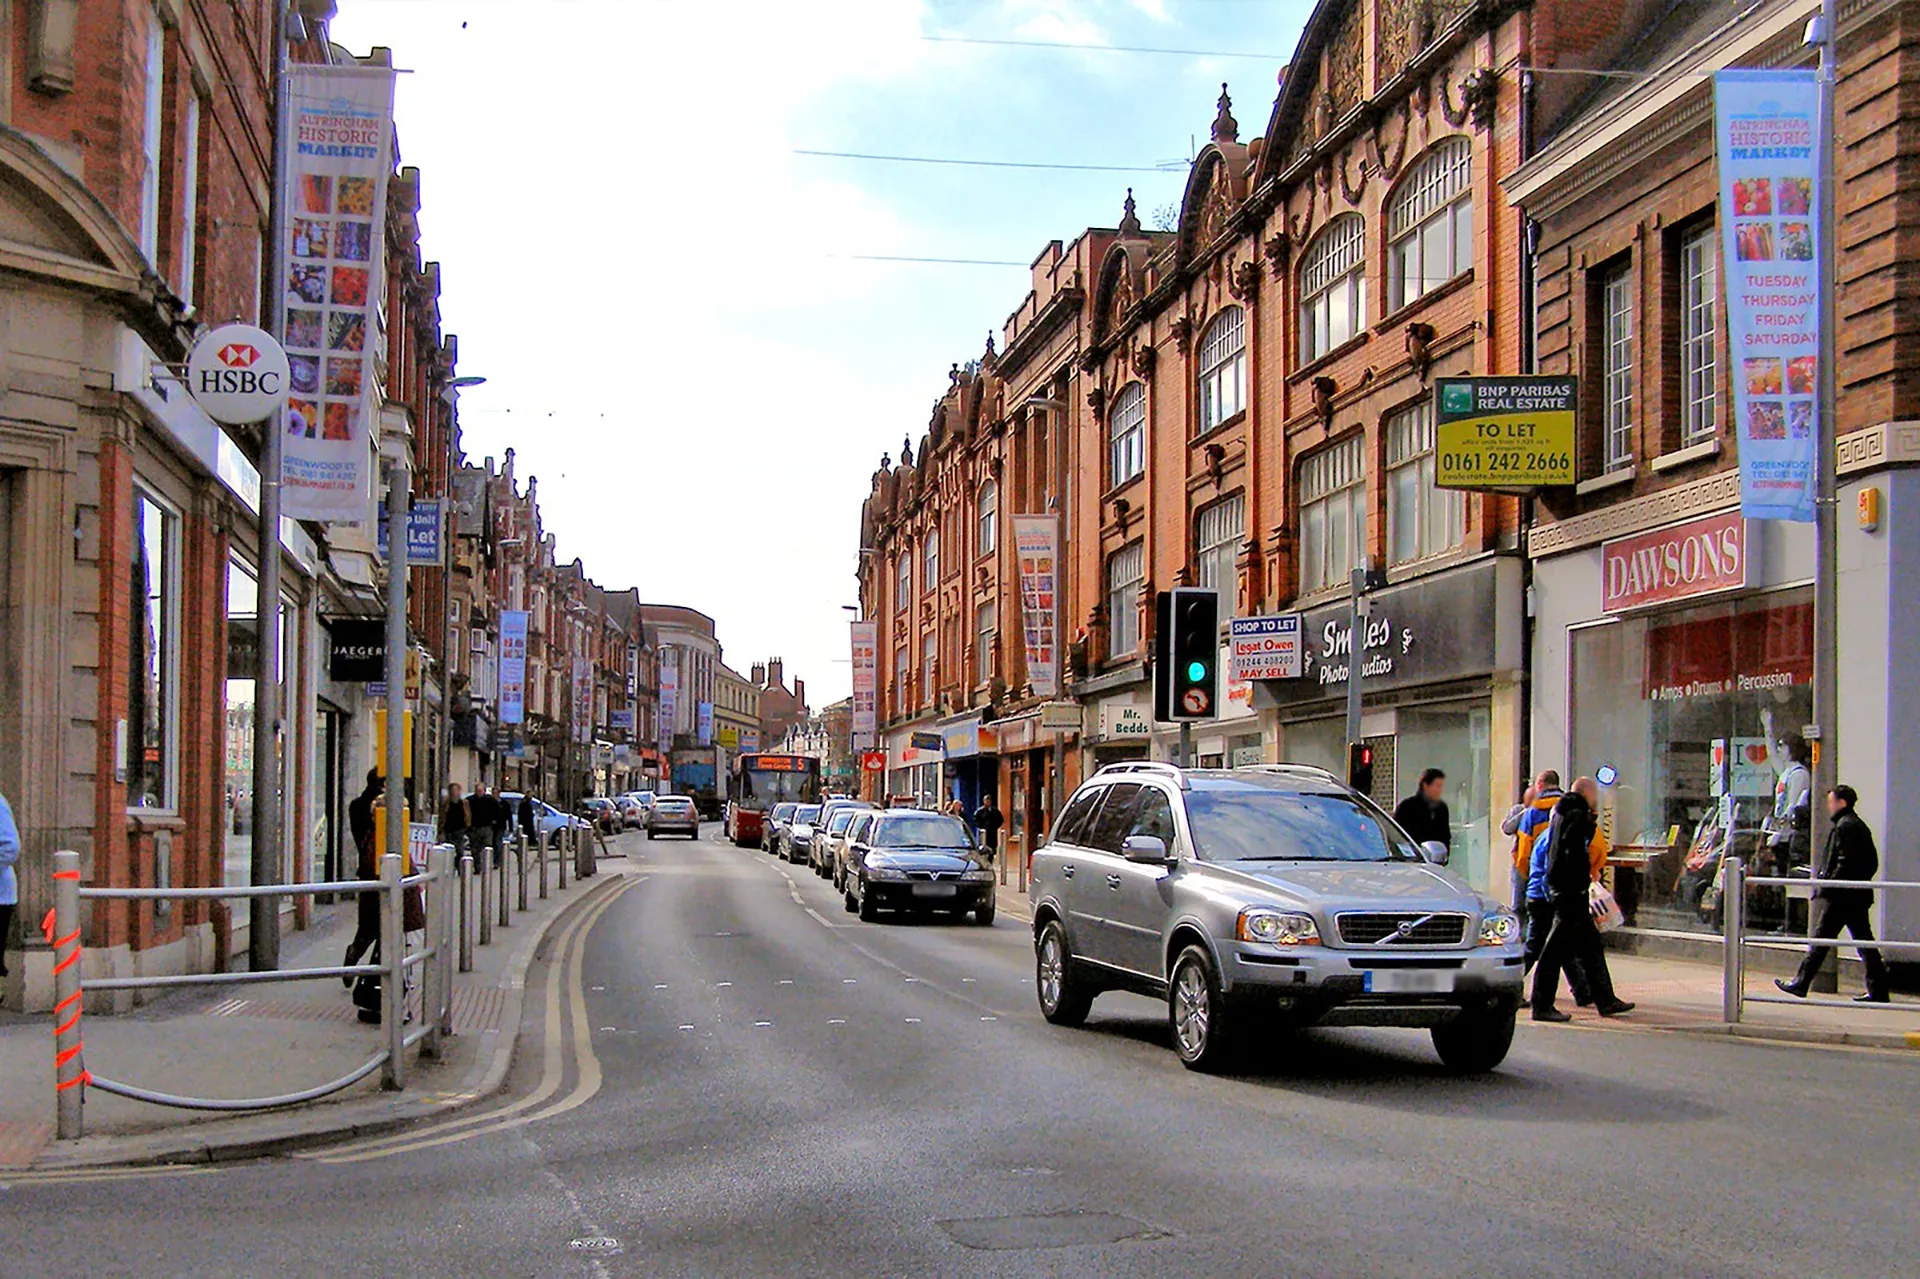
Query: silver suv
[[1272, 893]]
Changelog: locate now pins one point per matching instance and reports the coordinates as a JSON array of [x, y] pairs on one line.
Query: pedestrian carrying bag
[[1607, 915]]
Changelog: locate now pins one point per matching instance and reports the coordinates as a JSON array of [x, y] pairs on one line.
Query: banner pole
[[1826, 594]]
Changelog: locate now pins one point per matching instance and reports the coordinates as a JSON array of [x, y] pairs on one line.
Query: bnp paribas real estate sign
[[1504, 433]]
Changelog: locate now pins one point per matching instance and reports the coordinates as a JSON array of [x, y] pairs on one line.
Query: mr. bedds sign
[[1436, 629]]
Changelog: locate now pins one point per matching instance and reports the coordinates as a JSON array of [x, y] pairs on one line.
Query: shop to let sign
[[1264, 648], [1504, 432]]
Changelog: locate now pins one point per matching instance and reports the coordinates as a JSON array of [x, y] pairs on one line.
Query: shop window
[[1333, 514], [1699, 294], [153, 655], [988, 518], [1422, 518], [985, 624], [1333, 287], [1430, 223], [1216, 535], [1698, 710], [1127, 434], [1616, 368], [1126, 568], [1223, 368]]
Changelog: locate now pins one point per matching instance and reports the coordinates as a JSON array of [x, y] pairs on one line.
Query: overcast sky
[[661, 293]]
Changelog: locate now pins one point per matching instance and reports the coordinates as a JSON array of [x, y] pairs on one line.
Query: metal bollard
[[433, 974], [393, 992], [561, 854], [446, 959], [542, 842], [486, 897], [1733, 925], [506, 900], [69, 1065], [466, 912], [520, 857]]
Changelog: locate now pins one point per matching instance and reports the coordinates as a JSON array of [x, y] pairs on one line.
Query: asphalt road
[[773, 1088]]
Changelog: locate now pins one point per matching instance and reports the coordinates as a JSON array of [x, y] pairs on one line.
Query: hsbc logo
[[238, 373], [238, 355]]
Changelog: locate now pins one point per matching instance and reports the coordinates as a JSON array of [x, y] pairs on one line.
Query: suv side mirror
[[1435, 851], [1148, 850]]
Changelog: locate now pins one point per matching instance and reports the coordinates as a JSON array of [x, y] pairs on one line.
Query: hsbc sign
[[238, 374]]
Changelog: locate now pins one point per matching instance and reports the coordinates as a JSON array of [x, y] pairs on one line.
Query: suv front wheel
[[1065, 997], [1475, 1042], [1202, 1029]]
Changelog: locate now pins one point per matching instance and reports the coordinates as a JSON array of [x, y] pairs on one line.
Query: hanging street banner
[[669, 697], [513, 666], [425, 545], [703, 722], [1764, 131], [337, 167], [866, 682], [1036, 541], [1504, 433], [582, 700]]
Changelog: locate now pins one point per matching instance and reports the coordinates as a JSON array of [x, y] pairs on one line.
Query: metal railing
[[1734, 970]]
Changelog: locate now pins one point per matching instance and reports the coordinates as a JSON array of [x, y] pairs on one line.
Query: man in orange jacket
[[1526, 823]]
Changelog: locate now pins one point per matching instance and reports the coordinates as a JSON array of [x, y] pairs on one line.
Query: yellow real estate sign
[[1504, 432]]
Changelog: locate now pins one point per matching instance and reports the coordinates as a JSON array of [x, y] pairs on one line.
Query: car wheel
[[868, 911], [1474, 1043], [1065, 997], [983, 916], [846, 899], [1202, 1030]]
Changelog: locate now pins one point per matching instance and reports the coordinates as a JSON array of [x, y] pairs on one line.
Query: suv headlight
[[1501, 928], [1277, 927], [880, 868]]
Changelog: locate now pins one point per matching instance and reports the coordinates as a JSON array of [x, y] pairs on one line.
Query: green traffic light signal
[[1196, 671]]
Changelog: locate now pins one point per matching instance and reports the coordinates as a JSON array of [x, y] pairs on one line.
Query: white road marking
[[909, 979], [818, 917], [849, 981], [989, 1019], [719, 984], [786, 981], [660, 985], [913, 1021], [763, 1023], [687, 1027], [966, 979], [836, 1021]]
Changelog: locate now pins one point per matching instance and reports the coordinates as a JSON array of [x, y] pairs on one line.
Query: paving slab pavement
[[250, 1041]]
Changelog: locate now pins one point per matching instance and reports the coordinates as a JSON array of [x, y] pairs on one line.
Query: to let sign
[[1264, 648], [1700, 557], [1504, 432]]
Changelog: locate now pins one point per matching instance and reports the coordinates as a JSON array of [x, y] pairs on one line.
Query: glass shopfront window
[[1699, 711], [243, 665]]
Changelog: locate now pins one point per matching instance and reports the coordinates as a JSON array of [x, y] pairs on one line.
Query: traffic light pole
[[1186, 744]]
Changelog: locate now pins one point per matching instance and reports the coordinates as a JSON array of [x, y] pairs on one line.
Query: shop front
[[1439, 689], [1677, 667], [972, 760], [914, 761]]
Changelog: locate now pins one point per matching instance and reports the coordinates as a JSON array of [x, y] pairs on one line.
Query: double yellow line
[[571, 948]]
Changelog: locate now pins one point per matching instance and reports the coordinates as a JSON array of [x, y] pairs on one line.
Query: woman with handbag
[[1567, 861]]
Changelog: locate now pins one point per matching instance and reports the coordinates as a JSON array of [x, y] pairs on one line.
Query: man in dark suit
[[1850, 854], [1424, 815]]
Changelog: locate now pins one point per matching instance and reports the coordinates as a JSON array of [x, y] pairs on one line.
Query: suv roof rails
[[1156, 767], [1290, 770]]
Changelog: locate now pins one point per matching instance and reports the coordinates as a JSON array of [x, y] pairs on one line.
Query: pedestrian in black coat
[[366, 934], [987, 820], [1850, 854], [1424, 815], [1572, 935]]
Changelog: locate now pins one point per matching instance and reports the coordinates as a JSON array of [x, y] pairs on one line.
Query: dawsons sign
[[1700, 557]]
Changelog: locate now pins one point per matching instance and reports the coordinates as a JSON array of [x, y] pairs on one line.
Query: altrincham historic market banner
[[513, 666], [1769, 188], [1036, 541], [866, 683], [341, 154]]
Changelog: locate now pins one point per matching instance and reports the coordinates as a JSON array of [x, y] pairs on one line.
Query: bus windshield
[[760, 782]]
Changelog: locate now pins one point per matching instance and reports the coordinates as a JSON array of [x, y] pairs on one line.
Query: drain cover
[[595, 1245], [1049, 1230]]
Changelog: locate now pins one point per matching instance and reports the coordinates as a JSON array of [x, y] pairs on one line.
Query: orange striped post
[[62, 929]]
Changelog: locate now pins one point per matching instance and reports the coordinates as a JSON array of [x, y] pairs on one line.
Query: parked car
[[546, 818], [1268, 894], [633, 814], [908, 860], [855, 829], [797, 836], [777, 816], [831, 844], [673, 815], [602, 813]]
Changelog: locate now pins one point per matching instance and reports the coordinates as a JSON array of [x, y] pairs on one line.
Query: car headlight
[[1501, 928], [1277, 927], [880, 868], [978, 875]]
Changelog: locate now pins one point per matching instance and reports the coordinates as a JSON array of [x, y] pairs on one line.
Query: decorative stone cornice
[[1702, 497]]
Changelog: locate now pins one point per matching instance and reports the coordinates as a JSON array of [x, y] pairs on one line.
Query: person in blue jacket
[[9, 884]]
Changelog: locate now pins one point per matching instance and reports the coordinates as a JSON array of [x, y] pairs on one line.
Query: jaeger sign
[[1700, 557]]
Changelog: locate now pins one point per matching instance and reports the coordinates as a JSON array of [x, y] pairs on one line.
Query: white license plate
[[936, 890], [1406, 981]]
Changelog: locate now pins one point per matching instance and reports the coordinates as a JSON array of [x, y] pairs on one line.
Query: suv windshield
[[1277, 825], [923, 830]]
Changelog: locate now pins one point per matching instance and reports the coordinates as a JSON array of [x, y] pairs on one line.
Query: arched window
[[988, 535], [1223, 368], [1333, 287], [931, 571], [1430, 223], [1127, 434], [903, 583]]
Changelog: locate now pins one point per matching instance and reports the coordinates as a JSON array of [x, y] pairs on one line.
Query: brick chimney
[[776, 672], [759, 676], [800, 694]]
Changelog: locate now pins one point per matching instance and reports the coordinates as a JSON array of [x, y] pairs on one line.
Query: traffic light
[[1186, 667], [1360, 767]]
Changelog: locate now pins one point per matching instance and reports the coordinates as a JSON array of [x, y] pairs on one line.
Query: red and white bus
[[755, 783]]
